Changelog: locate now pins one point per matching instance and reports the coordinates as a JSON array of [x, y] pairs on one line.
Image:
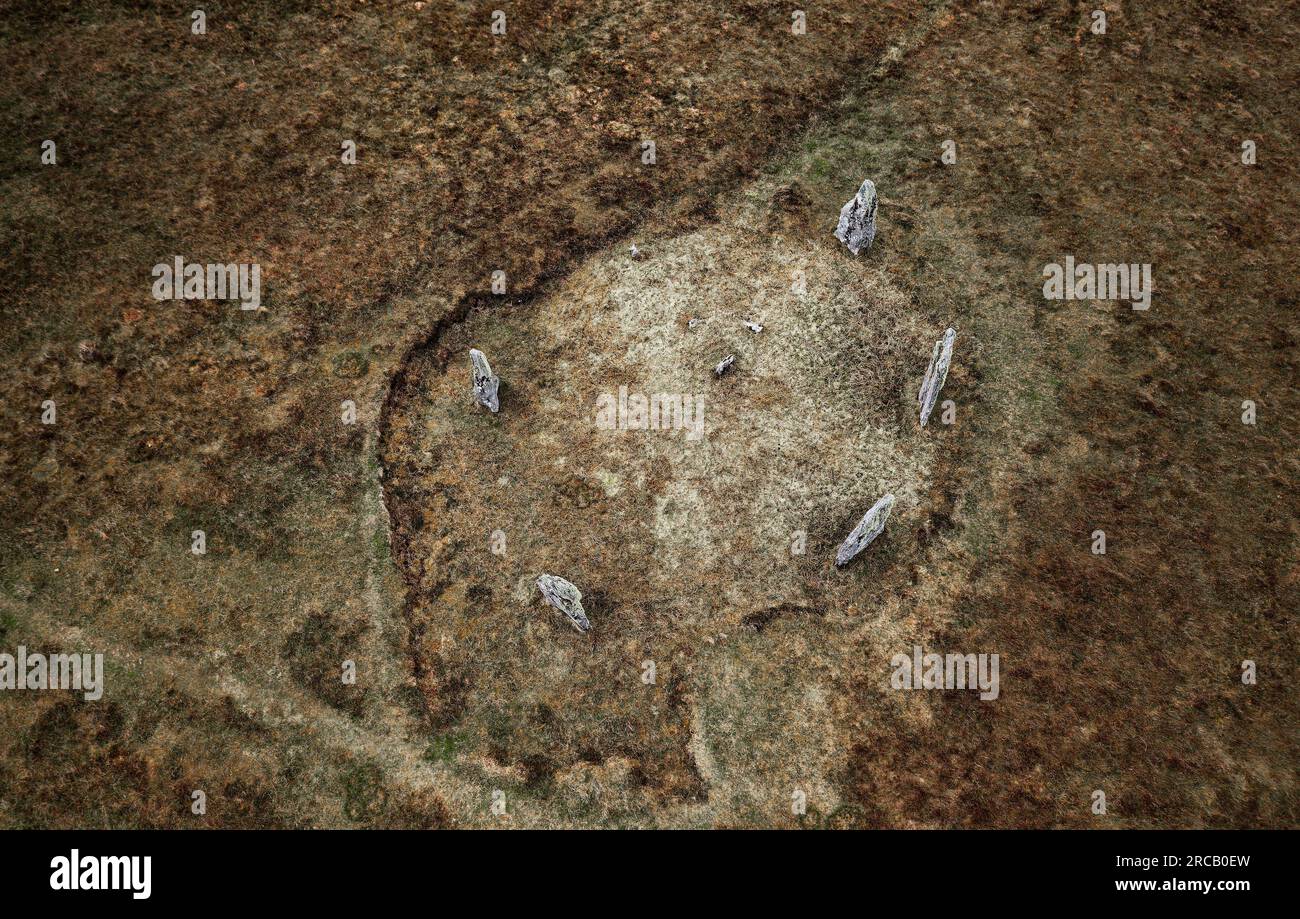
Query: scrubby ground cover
[[523, 153]]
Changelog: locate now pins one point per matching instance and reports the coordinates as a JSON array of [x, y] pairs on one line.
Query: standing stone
[[485, 381], [857, 226], [871, 526], [566, 598], [936, 374]]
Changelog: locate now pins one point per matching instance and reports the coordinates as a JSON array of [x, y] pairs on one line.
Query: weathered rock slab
[[857, 226], [871, 526], [565, 597], [485, 381], [936, 374]]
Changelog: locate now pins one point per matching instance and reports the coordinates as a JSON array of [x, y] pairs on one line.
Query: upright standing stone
[[857, 226], [936, 374], [871, 526], [485, 381], [566, 598]]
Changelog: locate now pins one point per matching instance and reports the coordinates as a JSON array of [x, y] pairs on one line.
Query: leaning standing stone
[[857, 226], [936, 374], [566, 598], [871, 526], [485, 381]]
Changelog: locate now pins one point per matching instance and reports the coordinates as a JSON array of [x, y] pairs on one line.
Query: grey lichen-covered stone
[[566, 598], [485, 381], [724, 365], [871, 526], [857, 226], [936, 374]]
